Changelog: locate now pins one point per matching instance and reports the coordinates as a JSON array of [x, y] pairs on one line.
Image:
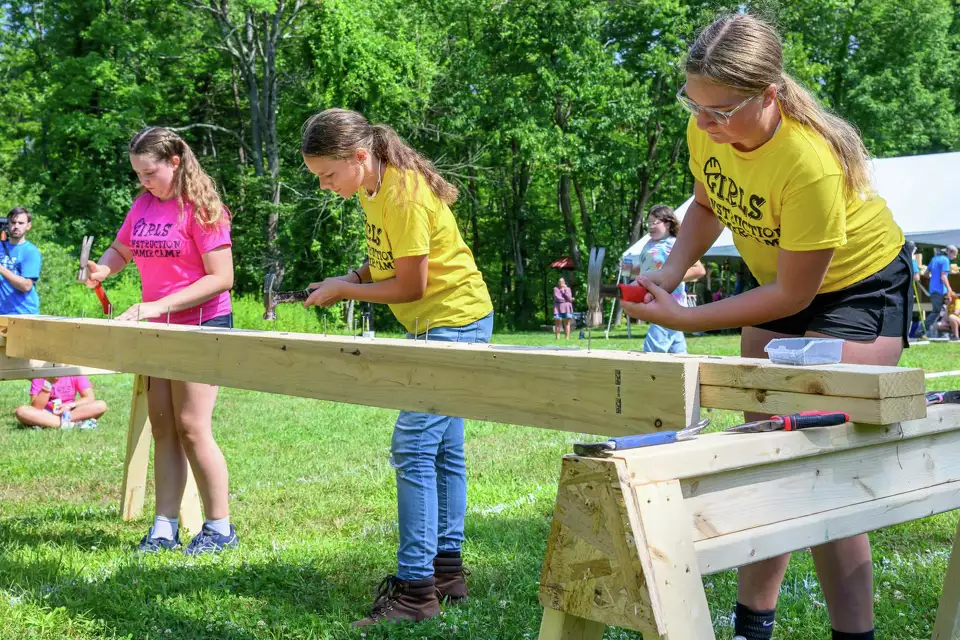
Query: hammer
[[596, 290], [84, 273], [272, 298]]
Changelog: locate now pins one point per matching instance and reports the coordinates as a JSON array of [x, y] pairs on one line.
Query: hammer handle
[[102, 296], [628, 292], [292, 296]]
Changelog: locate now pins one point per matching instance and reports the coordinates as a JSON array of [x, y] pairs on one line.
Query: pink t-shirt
[[168, 251], [66, 388]]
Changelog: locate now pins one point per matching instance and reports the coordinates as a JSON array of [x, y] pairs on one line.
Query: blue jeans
[[662, 340], [427, 453]]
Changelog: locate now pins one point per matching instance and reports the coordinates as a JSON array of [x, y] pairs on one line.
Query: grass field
[[313, 500]]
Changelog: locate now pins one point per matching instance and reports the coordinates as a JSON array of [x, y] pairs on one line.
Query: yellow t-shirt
[[416, 223], [790, 193]]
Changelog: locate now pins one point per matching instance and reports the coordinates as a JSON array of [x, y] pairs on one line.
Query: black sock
[[753, 625], [841, 635]]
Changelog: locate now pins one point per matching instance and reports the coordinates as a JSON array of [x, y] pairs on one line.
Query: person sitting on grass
[[54, 404]]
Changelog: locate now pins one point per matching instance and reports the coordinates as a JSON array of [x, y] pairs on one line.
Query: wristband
[[46, 386], [359, 277]]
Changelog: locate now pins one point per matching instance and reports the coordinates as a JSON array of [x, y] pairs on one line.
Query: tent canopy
[[916, 188]]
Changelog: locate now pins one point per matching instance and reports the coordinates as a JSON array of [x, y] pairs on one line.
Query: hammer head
[[269, 300], [594, 274]]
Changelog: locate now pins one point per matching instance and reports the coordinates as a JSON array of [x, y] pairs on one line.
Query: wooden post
[[557, 625], [138, 453], [667, 531], [191, 512], [947, 626]]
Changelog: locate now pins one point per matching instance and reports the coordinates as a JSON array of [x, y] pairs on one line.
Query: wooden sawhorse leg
[[947, 626], [557, 625], [620, 554], [137, 460]]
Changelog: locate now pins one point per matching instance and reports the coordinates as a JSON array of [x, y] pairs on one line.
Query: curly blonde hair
[[190, 181]]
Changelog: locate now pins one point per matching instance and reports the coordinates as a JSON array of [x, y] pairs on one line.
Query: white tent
[[918, 190]]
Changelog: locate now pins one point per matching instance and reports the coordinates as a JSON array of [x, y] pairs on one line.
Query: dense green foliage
[[556, 118]]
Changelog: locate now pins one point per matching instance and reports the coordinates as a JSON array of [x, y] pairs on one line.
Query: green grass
[[313, 499]]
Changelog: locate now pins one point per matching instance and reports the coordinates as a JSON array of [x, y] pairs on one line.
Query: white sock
[[164, 527], [221, 526]]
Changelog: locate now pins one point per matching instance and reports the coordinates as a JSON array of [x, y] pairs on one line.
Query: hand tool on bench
[[608, 447], [596, 290], [84, 273], [793, 422], [272, 298], [943, 397]]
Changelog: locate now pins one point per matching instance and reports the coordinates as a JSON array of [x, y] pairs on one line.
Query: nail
[[416, 327], [324, 326], [426, 335], [168, 316], [201, 318]]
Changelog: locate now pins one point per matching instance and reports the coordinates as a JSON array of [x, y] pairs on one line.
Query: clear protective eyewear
[[719, 116]]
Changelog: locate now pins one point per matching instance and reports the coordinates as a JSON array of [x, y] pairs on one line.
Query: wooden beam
[[48, 372], [759, 543], [719, 452], [724, 503], [868, 410], [848, 380], [607, 393]]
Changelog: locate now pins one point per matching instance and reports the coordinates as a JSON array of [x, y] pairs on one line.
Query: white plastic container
[[803, 351]]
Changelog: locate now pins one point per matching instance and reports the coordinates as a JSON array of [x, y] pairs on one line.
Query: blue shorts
[[563, 316]]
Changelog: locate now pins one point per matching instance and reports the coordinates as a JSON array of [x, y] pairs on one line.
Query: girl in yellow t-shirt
[[791, 181], [419, 265]]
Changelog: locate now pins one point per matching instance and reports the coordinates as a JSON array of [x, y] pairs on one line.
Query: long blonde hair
[[338, 133], [190, 181], [745, 53]]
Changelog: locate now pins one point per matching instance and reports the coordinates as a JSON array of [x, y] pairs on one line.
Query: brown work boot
[[403, 600], [449, 573]]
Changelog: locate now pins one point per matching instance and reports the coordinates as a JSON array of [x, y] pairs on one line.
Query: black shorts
[[878, 305]]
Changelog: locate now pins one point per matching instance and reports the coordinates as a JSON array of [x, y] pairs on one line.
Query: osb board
[[593, 568]]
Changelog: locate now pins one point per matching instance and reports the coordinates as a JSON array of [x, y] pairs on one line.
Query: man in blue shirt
[[20, 263], [938, 269]]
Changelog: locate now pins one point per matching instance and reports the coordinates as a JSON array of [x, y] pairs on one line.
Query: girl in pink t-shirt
[[54, 403], [178, 235]]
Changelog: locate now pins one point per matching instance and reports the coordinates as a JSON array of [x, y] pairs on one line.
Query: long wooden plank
[[868, 410], [849, 380], [737, 500], [50, 372], [759, 543], [718, 452], [606, 393]]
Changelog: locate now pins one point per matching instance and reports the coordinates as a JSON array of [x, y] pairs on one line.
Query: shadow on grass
[[70, 528], [223, 597]]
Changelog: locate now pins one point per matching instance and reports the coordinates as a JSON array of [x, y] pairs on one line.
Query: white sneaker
[[89, 423]]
